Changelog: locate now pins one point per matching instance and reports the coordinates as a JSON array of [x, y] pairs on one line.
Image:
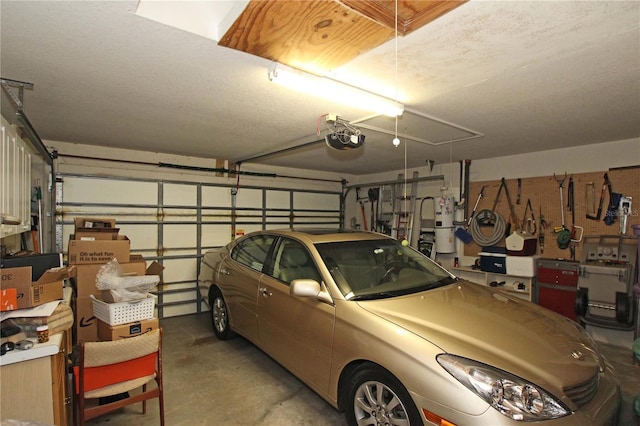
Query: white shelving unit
[[15, 182], [510, 281]]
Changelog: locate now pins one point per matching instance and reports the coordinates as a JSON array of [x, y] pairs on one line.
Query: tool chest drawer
[[559, 272]]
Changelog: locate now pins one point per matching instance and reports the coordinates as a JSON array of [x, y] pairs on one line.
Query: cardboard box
[[94, 222], [99, 251], [85, 325], [85, 279], [88, 234], [29, 294], [125, 331], [155, 269], [39, 262], [8, 299]]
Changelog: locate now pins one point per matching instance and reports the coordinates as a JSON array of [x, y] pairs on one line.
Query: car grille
[[582, 393]]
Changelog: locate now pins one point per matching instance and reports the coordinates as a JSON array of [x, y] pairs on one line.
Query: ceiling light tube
[[333, 90]]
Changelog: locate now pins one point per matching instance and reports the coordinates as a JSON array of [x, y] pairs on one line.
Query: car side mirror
[[309, 288]]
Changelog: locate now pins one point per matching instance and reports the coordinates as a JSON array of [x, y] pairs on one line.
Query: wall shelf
[[15, 182], [486, 278]]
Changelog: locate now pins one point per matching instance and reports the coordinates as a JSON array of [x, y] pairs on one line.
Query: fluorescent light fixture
[[333, 90]]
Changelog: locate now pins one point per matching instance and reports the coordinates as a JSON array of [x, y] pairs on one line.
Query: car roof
[[326, 235]]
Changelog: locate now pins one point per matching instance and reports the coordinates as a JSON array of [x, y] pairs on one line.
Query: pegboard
[[544, 193]]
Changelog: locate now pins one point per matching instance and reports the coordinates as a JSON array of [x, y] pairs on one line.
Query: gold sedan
[[391, 338]]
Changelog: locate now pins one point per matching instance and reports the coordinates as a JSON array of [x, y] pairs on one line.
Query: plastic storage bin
[[124, 312]]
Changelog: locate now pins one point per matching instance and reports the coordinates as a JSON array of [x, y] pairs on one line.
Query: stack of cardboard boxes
[[20, 288], [95, 242], [29, 281]]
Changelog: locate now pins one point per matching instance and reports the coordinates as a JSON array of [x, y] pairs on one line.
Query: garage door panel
[[215, 196], [180, 195], [95, 190], [278, 199], [142, 237], [314, 200], [175, 298], [248, 197], [215, 235], [180, 236], [179, 270]]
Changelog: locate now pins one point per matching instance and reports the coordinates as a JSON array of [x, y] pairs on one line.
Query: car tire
[[370, 389], [582, 302], [220, 315], [623, 308]]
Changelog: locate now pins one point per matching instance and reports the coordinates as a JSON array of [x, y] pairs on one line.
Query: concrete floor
[[211, 382]]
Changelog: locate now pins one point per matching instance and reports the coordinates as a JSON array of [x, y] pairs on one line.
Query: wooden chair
[[115, 368]]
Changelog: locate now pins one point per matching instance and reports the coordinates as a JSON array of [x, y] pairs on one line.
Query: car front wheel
[[220, 315], [376, 397]]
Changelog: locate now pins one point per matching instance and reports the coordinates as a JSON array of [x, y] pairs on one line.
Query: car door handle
[[225, 272], [265, 292]]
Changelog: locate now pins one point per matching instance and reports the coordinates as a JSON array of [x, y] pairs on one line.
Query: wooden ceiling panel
[[310, 35], [320, 35], [411, 14]]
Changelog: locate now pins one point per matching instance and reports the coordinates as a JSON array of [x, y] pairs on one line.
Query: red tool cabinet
[[557, 284]]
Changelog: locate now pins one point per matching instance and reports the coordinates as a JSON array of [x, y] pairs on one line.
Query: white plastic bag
[[122, 287]]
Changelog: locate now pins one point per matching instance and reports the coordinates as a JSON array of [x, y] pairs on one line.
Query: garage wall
[[584, 159], [175, 215]]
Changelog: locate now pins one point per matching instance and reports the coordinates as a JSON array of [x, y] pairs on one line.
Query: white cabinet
[[512, 284], [15, 182]]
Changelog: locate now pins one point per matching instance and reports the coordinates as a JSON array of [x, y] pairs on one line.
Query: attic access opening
[[325, 34], [419, 127]]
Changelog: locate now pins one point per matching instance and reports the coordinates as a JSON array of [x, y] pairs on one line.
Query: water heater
[[445, 212]]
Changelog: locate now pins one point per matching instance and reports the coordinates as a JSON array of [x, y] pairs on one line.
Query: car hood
[[495, 328]]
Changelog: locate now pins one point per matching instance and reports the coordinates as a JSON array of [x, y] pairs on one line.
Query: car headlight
[[510, 395]]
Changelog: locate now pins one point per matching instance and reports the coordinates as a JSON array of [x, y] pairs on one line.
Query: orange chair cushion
[[104, 375]]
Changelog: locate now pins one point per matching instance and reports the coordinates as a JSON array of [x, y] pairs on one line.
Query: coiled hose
[[499, 229]]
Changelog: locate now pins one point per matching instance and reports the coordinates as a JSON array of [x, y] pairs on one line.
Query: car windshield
[[373, 269]]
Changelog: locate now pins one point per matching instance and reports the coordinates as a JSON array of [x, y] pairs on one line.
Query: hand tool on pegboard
[[489, 220], [614, 202], [529, 224], [605, 185], [572, 208], [543, 228], [590, 198], [563, 235]]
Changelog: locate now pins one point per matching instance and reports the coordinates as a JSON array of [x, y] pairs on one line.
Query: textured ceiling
[[525, 75]]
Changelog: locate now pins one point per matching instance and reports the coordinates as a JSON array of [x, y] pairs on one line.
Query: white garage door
[[174, 223]]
